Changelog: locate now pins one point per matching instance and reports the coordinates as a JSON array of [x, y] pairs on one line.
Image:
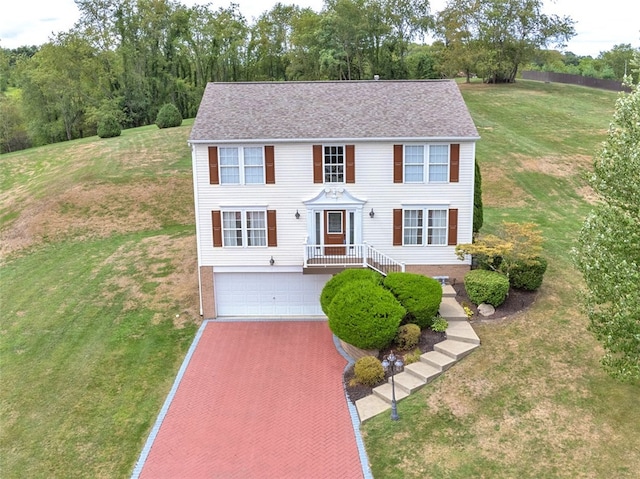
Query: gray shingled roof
[[337, 109]]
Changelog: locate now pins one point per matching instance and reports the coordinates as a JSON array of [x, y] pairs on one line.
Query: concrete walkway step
[[384, 392], [371, 406], [451, 310], [456, 350], [462, 331], [408, 382], [440, 361], [448, 291], [461, 340], [423, 371]]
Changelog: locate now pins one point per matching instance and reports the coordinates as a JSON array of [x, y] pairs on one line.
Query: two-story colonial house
[[294, 181]]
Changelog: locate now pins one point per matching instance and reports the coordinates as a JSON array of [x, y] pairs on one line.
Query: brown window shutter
[[213, 166], [216, 221], [269, 165], [350, 164], [398, 153], [397, 227], [454, 163], [318, 170], [272, 232], [453, 227]]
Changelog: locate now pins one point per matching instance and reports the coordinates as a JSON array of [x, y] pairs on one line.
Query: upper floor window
[[426, 161], [241, 165], [333, 164]]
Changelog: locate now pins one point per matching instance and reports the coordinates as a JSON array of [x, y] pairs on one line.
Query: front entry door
[[335, 232]]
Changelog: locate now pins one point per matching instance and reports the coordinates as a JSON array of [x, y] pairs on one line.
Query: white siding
[[294, 184]]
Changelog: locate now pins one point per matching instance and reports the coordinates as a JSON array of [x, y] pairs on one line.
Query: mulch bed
[[427, 339], [517, 301]]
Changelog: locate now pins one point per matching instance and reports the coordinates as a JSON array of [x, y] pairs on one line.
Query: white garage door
[[269, 294]]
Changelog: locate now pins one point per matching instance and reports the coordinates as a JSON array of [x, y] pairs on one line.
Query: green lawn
[[98, 299], [98, 306], [532, 402]]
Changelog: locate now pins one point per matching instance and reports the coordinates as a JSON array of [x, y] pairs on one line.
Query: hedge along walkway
[[257, 400]]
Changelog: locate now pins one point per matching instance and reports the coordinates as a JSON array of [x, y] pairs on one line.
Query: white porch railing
[[352, 255]]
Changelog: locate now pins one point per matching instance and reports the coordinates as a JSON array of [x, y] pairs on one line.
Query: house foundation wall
[[455, 272], [207, 293]]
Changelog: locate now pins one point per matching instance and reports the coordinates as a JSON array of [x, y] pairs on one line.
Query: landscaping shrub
[[168, 116], [368, 370], [345, 277], [365, 315], [528, 276], [412, 357], [108, 126], [486, 287], [420, 296], [440, 325], [408, 336]]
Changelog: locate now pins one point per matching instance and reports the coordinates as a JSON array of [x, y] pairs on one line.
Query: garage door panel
[[268, 294]]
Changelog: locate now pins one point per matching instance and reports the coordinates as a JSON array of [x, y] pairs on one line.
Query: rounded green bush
[[345, 277], [168, 116], [486, 287], [368, 370], [408, 336], [108, 127], [420, 296], [365, 315], [528, 276]]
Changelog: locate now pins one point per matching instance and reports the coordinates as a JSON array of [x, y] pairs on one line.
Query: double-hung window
[[426, 163], [415, 230], [437, 227], [414, 163], [438, 163], [241, 165], [334, 162], [244, 228]]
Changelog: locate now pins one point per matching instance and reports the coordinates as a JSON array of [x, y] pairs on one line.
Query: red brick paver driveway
[[258, 400]]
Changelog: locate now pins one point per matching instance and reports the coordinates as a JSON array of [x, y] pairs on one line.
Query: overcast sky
[[599, 25]]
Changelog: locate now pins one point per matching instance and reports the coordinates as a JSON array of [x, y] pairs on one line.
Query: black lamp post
[[393, 362]]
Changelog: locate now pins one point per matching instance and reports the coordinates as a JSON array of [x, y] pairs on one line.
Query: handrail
[[351, 255]]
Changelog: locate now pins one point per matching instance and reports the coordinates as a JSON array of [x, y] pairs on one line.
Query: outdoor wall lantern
[[371, 213], [393, 362], [297, 215], [272, 261]]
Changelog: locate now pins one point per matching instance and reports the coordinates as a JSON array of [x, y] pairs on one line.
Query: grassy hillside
[[98, 305], [98, 299], [532, 402]]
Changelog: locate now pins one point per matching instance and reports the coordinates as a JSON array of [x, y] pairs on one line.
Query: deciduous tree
[[608, 254]]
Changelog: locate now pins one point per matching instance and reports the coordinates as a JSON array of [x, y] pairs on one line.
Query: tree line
[[127, 58]]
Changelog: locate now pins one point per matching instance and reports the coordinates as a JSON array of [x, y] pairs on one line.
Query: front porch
[[333, 259]]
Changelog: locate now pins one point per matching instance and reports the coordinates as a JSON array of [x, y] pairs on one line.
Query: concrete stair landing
[[461, 341]]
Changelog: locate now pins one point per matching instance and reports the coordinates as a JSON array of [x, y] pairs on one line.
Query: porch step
[[451, 310], [423, 371], [438, 360], [462, 331], [384, 393], [408, 382], [371, 406], [456, 350]]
